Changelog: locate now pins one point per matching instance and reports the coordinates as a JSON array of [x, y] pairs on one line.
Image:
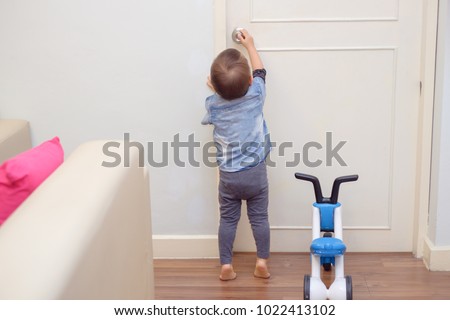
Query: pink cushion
[[21, 175]]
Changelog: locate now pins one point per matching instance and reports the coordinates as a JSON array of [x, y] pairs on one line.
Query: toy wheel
[[327, 266], [348, 286], [307, 287]]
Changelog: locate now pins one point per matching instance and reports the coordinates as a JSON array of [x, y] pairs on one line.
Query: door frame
[[425, 134], [424, 137]]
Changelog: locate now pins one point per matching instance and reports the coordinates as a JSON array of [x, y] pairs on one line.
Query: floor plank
[[376, 276]]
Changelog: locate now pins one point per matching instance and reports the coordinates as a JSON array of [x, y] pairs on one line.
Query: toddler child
[[242, 141]]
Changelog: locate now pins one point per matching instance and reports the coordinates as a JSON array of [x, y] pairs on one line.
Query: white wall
[[439, 220], [97, 69]]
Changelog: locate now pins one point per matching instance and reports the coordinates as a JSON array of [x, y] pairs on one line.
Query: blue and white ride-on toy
[[327, 248]]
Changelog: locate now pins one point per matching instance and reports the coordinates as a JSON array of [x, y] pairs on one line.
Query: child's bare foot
[[227, 273], [261, 269]]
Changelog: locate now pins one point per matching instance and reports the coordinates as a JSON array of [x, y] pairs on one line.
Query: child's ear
[[209, 84]]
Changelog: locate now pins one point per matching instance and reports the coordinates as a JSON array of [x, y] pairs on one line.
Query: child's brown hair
[[230, 74]]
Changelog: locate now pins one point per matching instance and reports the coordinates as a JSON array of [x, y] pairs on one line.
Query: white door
[[342, 98]]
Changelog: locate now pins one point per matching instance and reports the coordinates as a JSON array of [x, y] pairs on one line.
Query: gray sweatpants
[[250, 185]]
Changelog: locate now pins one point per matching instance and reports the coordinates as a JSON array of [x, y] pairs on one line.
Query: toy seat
[[328, 247]]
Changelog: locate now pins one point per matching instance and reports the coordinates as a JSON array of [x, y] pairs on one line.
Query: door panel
[[323, 10]]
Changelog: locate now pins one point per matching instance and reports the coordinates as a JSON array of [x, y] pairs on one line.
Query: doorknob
[[235, 34]]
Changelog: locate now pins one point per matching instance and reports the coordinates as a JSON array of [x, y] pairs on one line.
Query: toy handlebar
[[318, 190]]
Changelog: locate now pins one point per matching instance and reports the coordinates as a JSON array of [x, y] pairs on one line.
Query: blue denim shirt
[[240, 131]]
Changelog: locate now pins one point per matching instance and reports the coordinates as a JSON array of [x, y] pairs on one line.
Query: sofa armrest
[[84, 233], [14, 138]]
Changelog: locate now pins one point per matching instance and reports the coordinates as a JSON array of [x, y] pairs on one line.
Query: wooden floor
[[376, 276]]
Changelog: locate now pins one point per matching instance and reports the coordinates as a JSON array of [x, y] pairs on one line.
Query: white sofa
[[84, 233]]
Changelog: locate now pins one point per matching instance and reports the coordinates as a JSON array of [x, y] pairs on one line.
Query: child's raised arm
[[248, 43]]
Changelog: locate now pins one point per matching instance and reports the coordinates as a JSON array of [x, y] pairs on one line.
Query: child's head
[[230, 74]]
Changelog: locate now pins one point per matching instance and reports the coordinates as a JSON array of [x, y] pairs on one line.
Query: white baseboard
[[206, 247], [187, 247], [436, 258]]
